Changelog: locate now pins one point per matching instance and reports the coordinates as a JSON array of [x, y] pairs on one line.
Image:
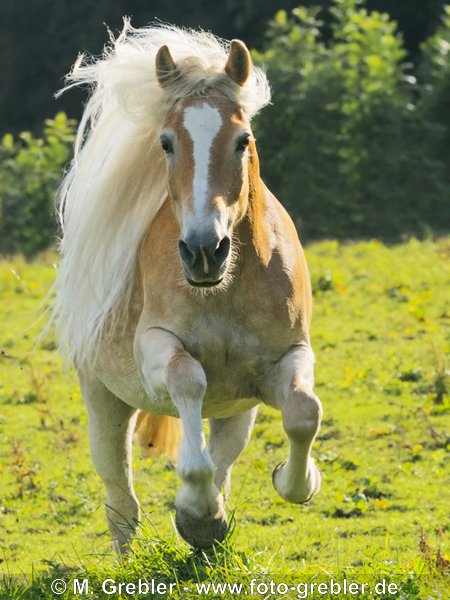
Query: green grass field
[[381, 335]]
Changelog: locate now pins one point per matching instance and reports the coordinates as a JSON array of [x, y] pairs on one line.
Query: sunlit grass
[[381, 338]]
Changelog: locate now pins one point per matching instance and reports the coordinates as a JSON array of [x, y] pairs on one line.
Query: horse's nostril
[[205, 255], [187, 253], [222, 250]]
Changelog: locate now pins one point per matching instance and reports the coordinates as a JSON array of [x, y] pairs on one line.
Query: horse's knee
[[302, 414], [185, 376]]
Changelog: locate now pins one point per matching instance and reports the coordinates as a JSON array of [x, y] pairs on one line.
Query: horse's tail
[[158, 434]]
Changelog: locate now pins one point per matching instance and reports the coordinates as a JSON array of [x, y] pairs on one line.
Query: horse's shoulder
[[288, 259]]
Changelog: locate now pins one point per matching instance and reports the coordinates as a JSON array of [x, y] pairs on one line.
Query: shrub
[[345, 145], [30, 172], [433, 108]]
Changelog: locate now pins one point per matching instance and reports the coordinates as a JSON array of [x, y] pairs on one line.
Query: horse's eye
[[242, 142], [166, 144]]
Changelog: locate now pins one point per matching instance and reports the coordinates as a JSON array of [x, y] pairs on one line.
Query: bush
[[30, 172], [434, 104], [347, 144]]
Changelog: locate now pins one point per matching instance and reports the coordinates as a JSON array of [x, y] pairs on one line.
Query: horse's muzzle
[[204, 261]]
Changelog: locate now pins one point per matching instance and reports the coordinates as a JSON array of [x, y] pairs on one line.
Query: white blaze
[[203, 124]]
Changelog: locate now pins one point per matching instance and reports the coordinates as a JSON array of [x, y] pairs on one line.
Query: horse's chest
[[234, 359]]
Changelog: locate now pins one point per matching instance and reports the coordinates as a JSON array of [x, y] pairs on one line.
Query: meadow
[[380, 332]]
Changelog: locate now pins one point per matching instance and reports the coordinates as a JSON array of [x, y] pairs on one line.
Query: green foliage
[[436, 52], [347, 144], [434, 106], [30, 171]]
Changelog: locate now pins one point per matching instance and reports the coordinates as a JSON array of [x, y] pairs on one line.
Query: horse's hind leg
[[228, 437], [297, 479], [166, 368], [110, 426]]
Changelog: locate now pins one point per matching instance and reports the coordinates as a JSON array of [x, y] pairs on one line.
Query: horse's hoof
[[296, 496], [201, 533]]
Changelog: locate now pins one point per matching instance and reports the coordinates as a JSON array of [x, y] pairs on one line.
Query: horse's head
[[206, 139]]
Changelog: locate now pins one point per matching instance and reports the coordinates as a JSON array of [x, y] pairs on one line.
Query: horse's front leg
[[166, 367], [298, 479]]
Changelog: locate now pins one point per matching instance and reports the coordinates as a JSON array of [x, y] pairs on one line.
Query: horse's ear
[[239, 62], [166, 67]]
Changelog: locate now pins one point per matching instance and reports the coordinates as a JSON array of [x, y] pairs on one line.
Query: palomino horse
[[183, 290]]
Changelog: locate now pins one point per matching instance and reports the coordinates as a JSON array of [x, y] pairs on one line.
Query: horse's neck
[[253, 230]]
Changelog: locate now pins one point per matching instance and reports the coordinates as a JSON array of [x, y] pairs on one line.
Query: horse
[[183, 292]]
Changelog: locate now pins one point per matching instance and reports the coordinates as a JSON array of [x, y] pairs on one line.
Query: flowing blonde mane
[[117, 181]]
